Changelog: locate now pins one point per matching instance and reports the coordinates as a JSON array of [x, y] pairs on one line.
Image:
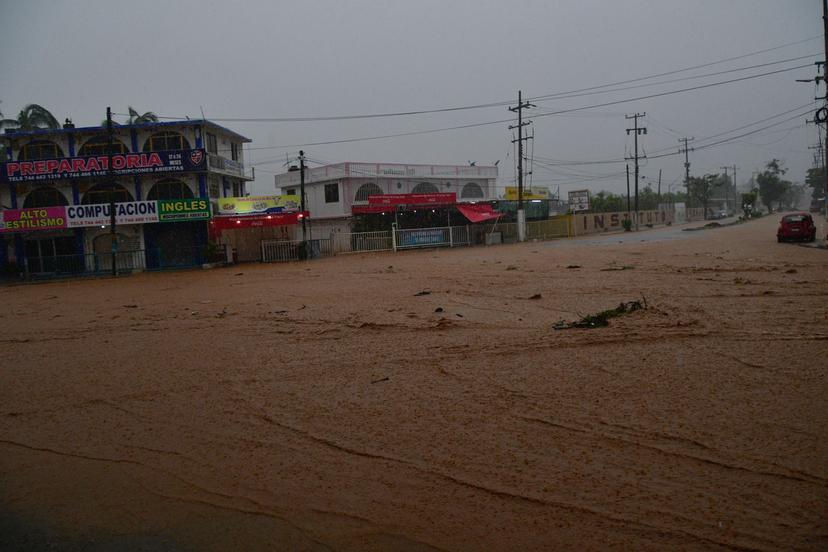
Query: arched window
[[46, 196], [425, 188], [99, 193], [471, 190], [97, 145], [161, 141], [39, 149], [367, 190], [170, 189]]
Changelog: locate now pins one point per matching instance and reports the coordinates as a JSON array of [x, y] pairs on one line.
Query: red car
[[796, 226]]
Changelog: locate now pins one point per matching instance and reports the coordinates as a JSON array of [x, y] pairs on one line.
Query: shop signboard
[[28, 220], [132, 212], [528, 193], [84, 216], [579, 200], [258, 205], [413, 199], [177, 210], [156, 162]]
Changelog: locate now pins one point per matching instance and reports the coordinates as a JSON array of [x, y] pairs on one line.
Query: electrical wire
[[556, 95]]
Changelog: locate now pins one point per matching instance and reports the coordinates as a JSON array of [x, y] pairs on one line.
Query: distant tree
[[771, 186], [136, 119], [702, 187], [605, 202], [749, 202], [31, 117]]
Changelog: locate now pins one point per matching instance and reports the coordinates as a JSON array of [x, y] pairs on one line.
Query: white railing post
[[394, 236]]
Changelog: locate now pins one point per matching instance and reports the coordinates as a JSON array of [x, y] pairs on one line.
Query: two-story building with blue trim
[[55, 190]]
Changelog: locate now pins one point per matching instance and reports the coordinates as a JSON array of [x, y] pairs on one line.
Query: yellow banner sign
[[258, 205], [528, 193]]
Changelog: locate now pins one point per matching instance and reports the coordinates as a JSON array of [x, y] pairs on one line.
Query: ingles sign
[[82, 216], [98, 165]]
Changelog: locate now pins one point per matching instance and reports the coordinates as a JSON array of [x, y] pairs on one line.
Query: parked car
[[796, 226]]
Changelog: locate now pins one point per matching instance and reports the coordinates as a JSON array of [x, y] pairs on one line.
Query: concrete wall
[[593, 223]]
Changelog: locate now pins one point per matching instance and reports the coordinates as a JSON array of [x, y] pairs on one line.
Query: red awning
[[255, 221], [478, 212]]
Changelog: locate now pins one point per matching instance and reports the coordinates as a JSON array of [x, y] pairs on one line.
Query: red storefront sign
[[255, 221], [413, 199]]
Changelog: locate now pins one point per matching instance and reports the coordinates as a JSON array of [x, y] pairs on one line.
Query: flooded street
[[423, 401]]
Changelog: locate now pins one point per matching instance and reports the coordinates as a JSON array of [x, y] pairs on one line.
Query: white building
[[332, 191]]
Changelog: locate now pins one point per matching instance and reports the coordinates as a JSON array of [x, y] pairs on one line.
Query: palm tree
[[136, 119], [32, 117]]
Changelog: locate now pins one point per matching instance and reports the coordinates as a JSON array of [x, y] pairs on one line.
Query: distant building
[[54, 193], [332, 191]]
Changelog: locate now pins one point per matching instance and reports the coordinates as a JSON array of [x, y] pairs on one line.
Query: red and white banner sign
[[413, 199]]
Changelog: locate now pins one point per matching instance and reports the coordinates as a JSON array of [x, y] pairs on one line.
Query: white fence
[[274, 251], [412, 238], [360, 242]]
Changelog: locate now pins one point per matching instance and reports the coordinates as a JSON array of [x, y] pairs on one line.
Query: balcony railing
[[229, 167]]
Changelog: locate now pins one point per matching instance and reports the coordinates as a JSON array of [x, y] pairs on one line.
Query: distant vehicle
[[796, 226], [719, 215]]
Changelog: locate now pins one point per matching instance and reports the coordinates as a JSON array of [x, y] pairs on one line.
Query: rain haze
[[259, 60], [405, 351]]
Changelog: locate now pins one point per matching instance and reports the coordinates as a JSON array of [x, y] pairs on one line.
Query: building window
[[170, 189], [98, 145], [213, 184], [238, 189], [99, 193], [234, 151], [472, 191], [367, 190], [45, 197], [39, 149], [425, 188], [162, 141], [290, 191], [212, 144], [332, 193]]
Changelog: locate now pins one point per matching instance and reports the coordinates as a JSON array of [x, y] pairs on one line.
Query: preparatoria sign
[[98, 165]]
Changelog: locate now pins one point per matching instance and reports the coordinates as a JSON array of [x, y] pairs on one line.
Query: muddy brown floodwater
[[332, 406]]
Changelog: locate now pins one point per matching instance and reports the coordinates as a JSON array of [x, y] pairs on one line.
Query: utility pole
[[628, 191], [109, 147], [659, 186], [735, 191], [302, 203], [825, 82], [521, 215], [686, 167], [636, 131], [725, 183]]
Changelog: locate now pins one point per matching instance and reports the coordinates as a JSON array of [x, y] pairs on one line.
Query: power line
[[497, 103], [659, 94], [717, 73], [547, 114]]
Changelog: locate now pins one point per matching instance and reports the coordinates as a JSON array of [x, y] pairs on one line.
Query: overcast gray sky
[[270, 59]]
